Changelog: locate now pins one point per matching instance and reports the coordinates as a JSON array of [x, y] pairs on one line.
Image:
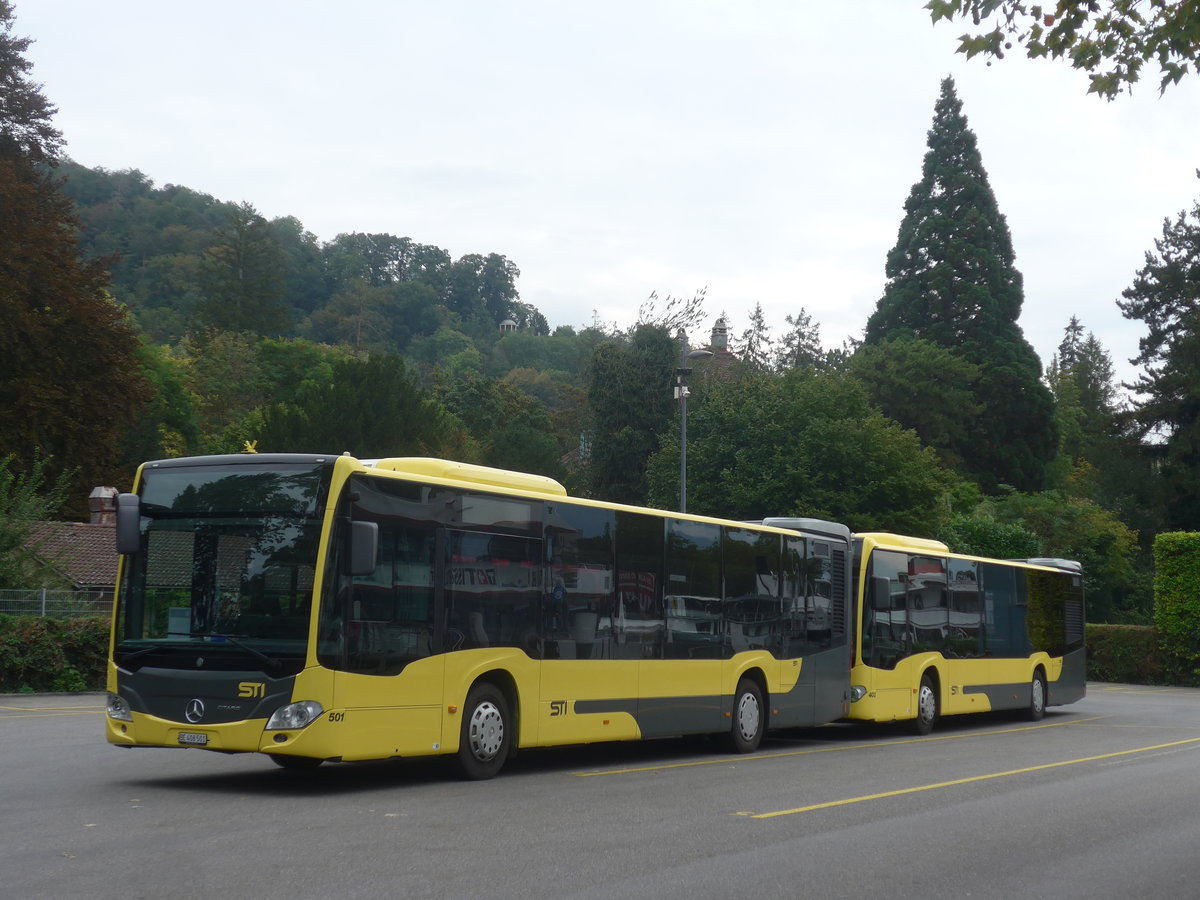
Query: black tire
[[749, 717], [1037, 698], [295, 763], [486, 736], [927, 706]]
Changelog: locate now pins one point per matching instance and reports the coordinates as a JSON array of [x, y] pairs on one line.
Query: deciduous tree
[[69, 377], [1110, 40]]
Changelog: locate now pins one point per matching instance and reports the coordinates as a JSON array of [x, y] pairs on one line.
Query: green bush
[[42, 654], [1177, 604], [1124, 653]]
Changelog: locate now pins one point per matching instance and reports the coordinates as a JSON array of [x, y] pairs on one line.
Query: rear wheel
[[749, 718], [927, 706], [486, 733], [1037, 698]]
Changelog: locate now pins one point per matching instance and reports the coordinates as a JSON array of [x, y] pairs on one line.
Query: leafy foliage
[[1111, 41], [923, 386], [951, 281], [1165, 295], [1124, 653], [44, 654], [371, 408], [70, 382], [629, 392], [803, 444], [1177, 603], [25, 500], [1076, 528], [981, 535]]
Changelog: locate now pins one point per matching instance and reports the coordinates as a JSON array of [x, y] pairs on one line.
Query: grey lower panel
[[1072, 684], [1003, 696], [819, 696], [1070, 687]]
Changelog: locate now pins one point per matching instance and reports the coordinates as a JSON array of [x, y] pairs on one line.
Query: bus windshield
[[226, 566]]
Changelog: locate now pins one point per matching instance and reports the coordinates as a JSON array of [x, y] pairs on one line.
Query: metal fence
[[56, 604]]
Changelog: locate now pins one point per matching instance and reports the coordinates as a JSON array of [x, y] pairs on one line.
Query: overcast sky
[[761, 150]]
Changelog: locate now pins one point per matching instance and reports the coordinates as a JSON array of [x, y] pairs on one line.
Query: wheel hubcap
[[1039, 695], [748, 716], [926, 704], [486, 731]]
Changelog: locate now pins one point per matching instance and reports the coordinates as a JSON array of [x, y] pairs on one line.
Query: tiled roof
[[86, 555]]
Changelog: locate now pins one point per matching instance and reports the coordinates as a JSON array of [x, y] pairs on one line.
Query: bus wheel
[[295, 763], [1037, 698], [485, 740], [927, 706], [749, 720]]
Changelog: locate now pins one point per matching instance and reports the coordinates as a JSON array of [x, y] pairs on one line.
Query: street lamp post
[[681, 394]]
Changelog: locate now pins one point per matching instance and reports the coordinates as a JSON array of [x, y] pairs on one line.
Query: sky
[[760, 150]]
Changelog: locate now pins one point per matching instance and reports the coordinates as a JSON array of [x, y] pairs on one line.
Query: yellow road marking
[[48, 708], [724, 761], [49, 715], [958, 781]]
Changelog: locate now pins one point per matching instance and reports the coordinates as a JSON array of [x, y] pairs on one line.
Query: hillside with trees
[[148, 322]]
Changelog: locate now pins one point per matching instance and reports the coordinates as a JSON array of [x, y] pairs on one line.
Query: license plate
[[193, 737]]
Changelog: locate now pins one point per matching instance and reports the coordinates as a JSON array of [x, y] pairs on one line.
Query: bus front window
[[228, 555]]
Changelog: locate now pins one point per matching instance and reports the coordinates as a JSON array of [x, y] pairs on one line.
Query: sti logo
[[558, 708], [251, 689]]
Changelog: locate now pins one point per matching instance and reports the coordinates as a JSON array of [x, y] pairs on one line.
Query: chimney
[[102, 502], [720, 336]]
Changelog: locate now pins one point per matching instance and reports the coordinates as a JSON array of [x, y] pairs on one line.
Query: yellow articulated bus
[[940, 633], [317, 608]]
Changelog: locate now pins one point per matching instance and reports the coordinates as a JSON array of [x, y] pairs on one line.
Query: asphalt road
[[1101, 799]]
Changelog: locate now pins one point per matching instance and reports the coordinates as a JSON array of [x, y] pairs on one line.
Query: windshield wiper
[[269, 660], [154, 648]]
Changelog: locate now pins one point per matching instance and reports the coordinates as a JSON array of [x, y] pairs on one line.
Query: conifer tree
[[1165, 295], [951, 279]]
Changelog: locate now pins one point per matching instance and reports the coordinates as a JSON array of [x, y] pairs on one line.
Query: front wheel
[[1037, 698], [749, 717], [927, 706], [486, 734]]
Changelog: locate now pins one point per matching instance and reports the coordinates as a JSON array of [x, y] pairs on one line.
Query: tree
[[371, 408], [808, 443], [70, 380], [1076, 528], [1111, 41], [628, 385], [242, 277], [951, 280], [1165, 295], [923, 386], [25, 500], [755, 346], [513, 429], [800, 346], [26, 131]]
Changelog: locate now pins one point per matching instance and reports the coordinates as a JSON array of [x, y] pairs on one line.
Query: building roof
[[83, 553]]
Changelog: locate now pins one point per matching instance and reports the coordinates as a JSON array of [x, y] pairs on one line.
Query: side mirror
[[363, 549], [881, 594], [129, 524]]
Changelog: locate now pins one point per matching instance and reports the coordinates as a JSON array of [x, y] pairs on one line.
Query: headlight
[[295, 715], [857, 693], [118, 709]]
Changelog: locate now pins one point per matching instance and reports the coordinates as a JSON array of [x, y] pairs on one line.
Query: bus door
[[588, 677], [681, 679], [378, 631]]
